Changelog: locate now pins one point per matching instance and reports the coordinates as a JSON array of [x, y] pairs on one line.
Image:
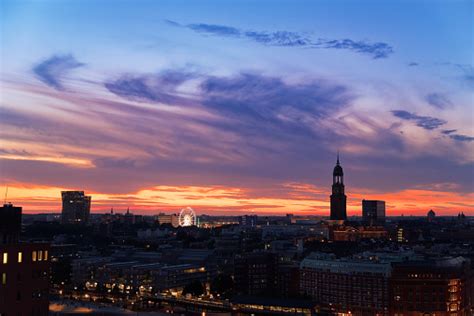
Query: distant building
[[248, 220], [431, 216], [24, 269], [338, 198], [255, 273], [373, 212], [76, 207], [264, 274], [349, 233], [171, 219]]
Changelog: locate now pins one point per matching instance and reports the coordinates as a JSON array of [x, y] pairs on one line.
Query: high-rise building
[[373, 212], [76, 207], [338, 198], [10, 224], [24, 269]]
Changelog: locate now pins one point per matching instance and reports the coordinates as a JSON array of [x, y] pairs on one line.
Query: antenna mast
[[6, 194]]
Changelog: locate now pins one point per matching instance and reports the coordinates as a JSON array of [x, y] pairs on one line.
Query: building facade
[[373, 212], [435, 287], [76, 207], [255, 273], [24, 269], [356, 287]]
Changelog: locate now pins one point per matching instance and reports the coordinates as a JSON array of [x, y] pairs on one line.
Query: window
[[40, 255], [5, 258], [4, 278], [33, 256], [46, 255], [20, 257]]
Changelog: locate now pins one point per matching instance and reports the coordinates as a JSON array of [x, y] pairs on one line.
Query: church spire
[[338, 198]]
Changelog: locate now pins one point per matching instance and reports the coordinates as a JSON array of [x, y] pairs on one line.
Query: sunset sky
[[237, 106]]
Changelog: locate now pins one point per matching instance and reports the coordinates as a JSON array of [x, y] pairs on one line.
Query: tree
[[194, 288]]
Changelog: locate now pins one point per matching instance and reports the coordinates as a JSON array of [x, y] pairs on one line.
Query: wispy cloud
[[51, 70], [214, 29], [159, 87], [438, 101], [291, 39], [426, 122], [448, 131], [431, 123], [461, 138], [267, 98], [376, 50], [465, 73], [413, 64]]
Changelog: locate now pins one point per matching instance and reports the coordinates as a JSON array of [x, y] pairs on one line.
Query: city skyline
[[233, 108]]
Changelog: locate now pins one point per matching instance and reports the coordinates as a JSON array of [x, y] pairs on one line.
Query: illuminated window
[[4, 278], [40, 255], [33, 256], [20, 257], [5, 258], [46, 255]]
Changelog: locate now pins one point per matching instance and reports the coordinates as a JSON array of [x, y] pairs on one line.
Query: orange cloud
[[298, 198]]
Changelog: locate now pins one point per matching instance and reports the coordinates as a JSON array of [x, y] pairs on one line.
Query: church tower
[[338, 198]]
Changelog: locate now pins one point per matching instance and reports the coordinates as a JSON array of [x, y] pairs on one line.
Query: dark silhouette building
[[373, 212], [431, 216], [24, 269], [76, 207], [10, 224], [255, 274], [338, 198]]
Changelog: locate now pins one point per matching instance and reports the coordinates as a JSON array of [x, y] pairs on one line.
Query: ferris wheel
[[187, 217]]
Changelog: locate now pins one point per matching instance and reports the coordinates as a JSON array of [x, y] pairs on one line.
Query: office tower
[[76, 207], [24, 269], [373, 212], [10, 224], [338, 198]]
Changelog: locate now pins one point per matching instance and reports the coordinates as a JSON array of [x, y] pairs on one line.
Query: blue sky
[[245, 93]]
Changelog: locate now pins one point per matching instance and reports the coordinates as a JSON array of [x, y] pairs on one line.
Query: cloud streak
[[160, 87], [376, 50], [438, 101], [53, 69], [425, 122], [461, 138]]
